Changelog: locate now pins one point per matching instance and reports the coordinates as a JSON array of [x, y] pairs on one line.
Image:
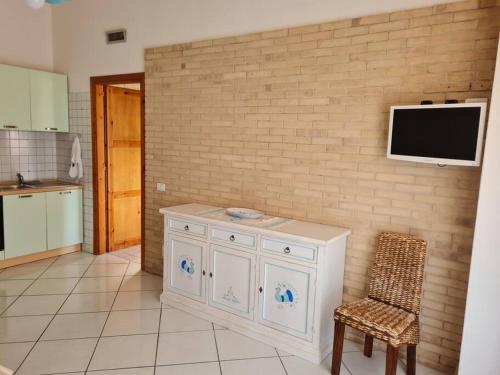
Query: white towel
[[76, 168]]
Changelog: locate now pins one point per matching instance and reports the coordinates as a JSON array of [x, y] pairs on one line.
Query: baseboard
[[39, 256]]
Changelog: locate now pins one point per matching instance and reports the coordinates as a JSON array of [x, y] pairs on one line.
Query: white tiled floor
[[82, 314]]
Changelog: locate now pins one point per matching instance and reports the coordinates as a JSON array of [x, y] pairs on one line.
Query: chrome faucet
[[20, 179]]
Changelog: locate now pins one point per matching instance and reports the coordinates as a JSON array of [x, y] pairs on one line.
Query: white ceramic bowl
[[244, 213]]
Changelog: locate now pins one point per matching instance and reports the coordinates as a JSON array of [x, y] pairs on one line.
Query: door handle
[[10, 127], [26, 196], [64, 192], [53, 129]]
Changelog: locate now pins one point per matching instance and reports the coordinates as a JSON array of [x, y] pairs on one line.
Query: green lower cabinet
[[64, 218], [25, 224]]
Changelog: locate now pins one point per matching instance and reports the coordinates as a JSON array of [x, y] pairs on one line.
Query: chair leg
[[391, 361], [338, 343], [411, 360], [368, 349]]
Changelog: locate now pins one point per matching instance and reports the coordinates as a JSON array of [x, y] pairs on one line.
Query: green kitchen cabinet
[[14, 98], [49, 101], [25, 224], [64, 218]]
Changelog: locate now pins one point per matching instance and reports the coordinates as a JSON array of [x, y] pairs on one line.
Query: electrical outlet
[[160, 186]]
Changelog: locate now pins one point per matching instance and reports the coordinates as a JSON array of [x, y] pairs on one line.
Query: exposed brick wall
[[294, 122]]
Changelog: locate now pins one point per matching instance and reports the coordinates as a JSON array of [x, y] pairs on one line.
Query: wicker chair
[[391, 310]]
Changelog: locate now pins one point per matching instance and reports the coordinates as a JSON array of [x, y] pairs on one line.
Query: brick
[[294, 122]]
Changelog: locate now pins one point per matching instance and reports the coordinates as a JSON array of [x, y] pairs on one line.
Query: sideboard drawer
[[286, 248], [188, 227], [235, 238]]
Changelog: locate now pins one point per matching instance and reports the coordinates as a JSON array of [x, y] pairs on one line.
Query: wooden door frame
[[112, 80]]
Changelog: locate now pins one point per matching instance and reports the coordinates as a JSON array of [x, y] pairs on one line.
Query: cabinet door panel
[[14, 98], [64, 218], [186, 264], [232, 280], [25, 224], [287, 299], [49, 101]]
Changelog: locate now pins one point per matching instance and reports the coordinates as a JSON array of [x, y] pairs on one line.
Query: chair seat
[[378, 319]]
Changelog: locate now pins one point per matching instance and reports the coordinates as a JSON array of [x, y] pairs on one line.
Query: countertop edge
[[39, 190]]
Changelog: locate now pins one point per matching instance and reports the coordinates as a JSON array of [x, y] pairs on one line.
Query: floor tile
[[132, 322], [357, 363], [98, 284], [91, 302], [209, 368], [232, 345], [146, 282], [28, 271], [80, 257], [64, 270], [124, 352], [12, 355], [51, 286], [109, 259], [135, 269], [49, 357], [259, 366], [173, 320], [186, 347], [104, 269], [5, 302], [35, 305], [23, 328], [75, 326], [137, 300], [298, 366], [127, 371], [13, 287]]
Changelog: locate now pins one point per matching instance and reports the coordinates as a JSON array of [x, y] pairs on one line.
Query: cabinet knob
[[286, 250], [210, 274], [203, 272], [260, 289], [232, 238], [186, 228]]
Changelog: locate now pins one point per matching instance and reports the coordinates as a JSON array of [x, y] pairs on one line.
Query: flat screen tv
[[444, 134]]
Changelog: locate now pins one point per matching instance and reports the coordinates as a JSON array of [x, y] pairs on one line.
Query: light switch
[[160, 186]]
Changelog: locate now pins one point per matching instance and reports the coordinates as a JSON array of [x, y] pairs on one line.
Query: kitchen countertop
[[42, 186]]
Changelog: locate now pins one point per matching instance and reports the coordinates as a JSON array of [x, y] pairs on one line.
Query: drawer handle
[[51, 128], [260, 289], [64, 192], [286, 250], [232, 238], [186, 227], [26, 196], [10, 127]]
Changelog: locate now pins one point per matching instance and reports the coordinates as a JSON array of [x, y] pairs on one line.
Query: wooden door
[[286, 297], [124, 167], [232, 280], [186, 259]]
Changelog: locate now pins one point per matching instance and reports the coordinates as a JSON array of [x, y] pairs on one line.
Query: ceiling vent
[[116, 36]]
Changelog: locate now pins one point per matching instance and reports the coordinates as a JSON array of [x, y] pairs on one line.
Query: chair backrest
[[398, 271]]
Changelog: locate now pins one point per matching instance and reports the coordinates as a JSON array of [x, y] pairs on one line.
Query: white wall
[[25, 35], [79, 26], [481, 338]]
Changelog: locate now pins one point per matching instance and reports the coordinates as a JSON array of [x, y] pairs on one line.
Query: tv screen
[[440, 134]]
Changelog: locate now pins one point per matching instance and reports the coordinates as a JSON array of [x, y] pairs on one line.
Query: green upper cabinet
[[49, 101], [64, 218], [14, 98], [25, 226]]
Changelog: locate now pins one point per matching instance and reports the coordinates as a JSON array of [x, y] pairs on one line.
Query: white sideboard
[[274, 279]]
